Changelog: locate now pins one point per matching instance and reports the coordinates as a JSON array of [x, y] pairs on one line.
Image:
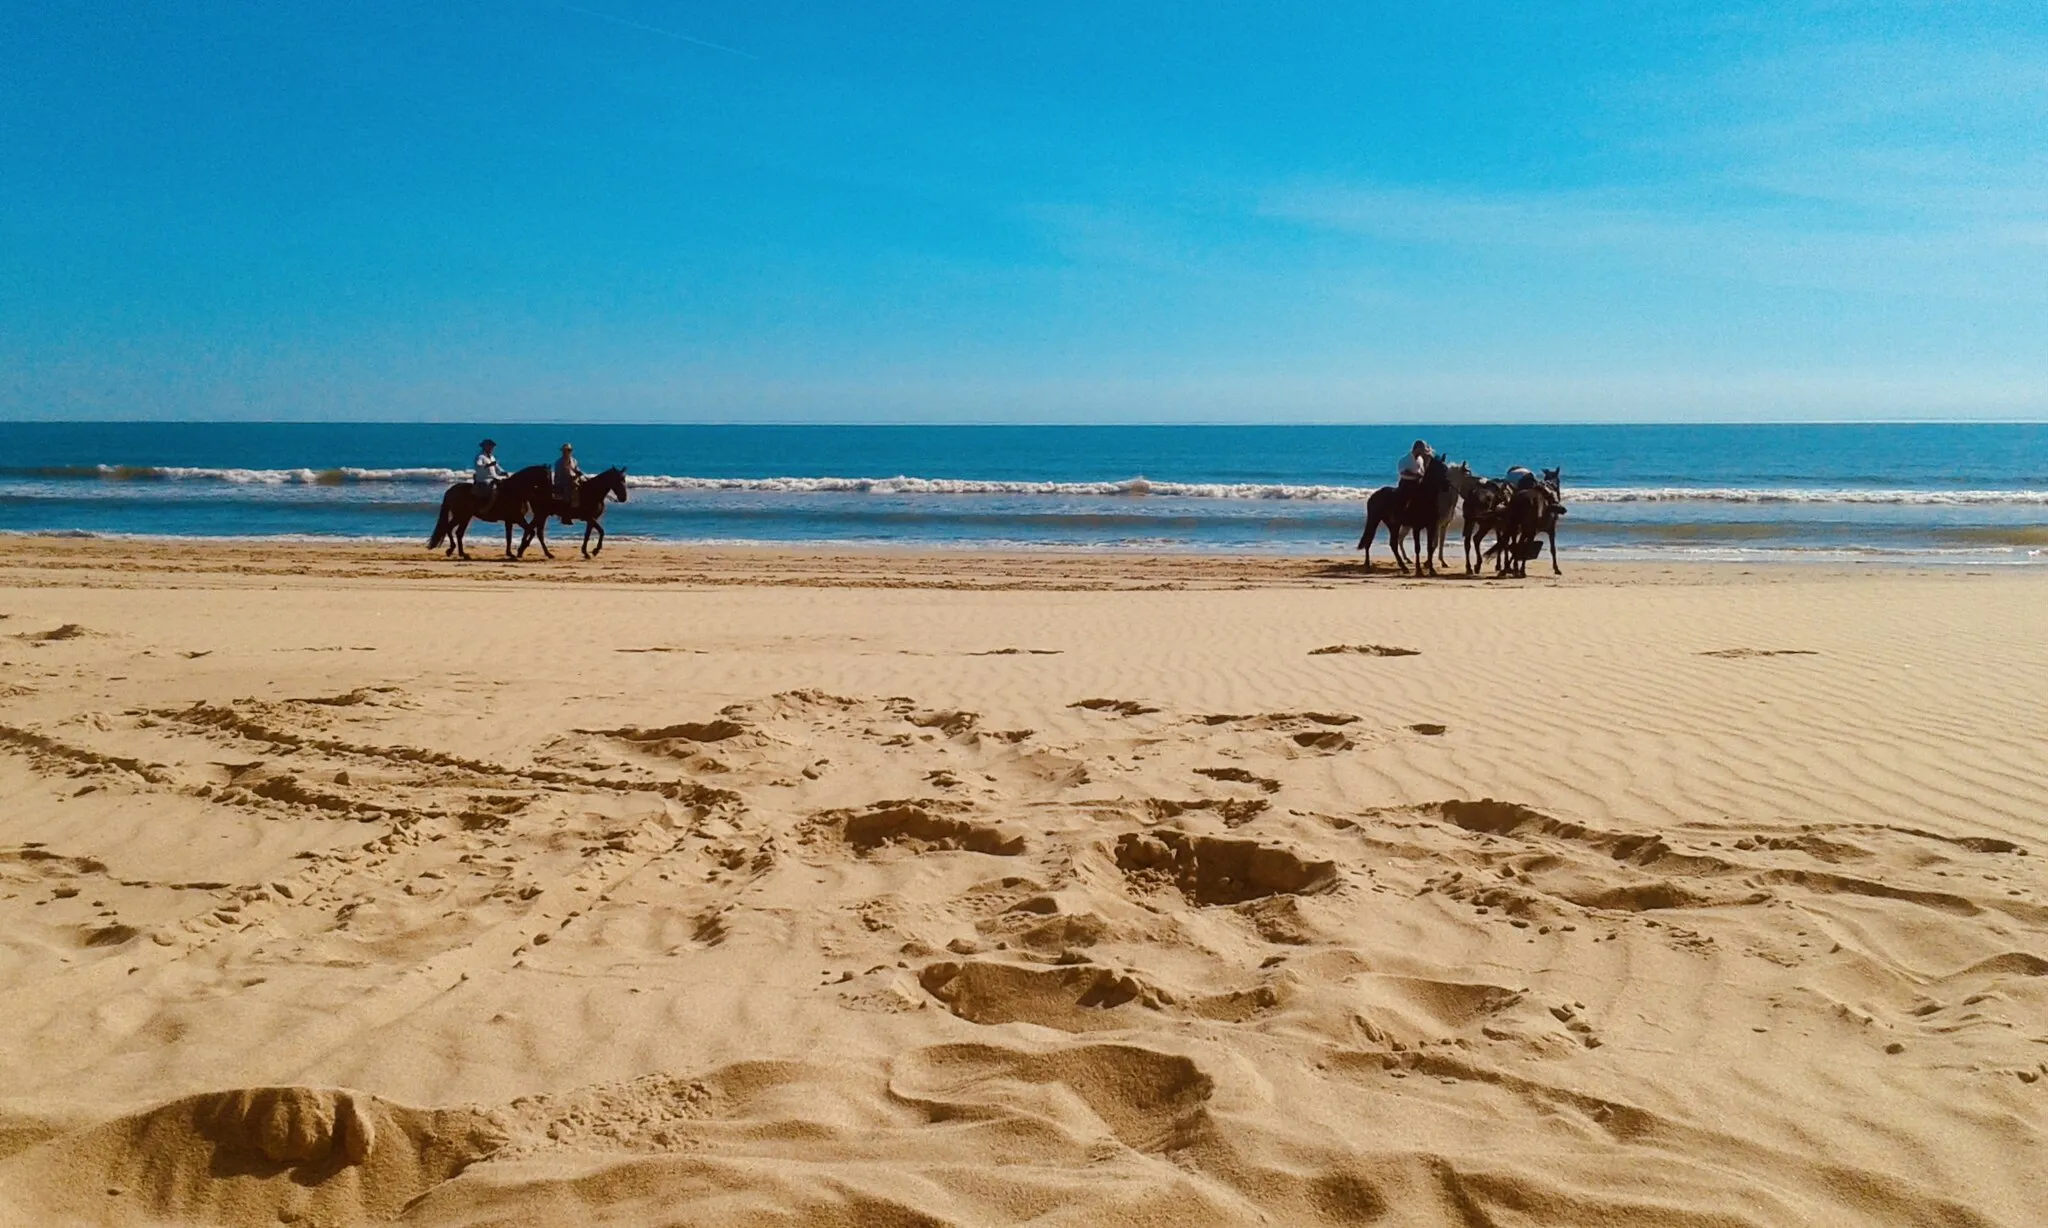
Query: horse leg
[[458, 540], [1372, 530], [530, 529], [599, 547], [1555, 570]]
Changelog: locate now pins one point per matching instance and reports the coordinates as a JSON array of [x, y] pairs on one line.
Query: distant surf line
[[1136, 486]]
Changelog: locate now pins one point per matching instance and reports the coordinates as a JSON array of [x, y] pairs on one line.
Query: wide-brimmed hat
[[567, 448], [488, 444]]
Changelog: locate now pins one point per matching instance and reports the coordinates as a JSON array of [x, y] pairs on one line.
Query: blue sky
[[659, 210]]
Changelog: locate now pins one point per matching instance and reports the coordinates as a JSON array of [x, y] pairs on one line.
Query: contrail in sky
[[635, 25]]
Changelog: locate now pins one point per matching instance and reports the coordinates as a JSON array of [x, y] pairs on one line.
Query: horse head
[[613, 482]]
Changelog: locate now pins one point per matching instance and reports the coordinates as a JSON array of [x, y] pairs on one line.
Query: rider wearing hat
[[567, 477], [487, 474]]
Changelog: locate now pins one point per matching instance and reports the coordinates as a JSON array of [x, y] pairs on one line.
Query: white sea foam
[[1139, 486], [1127, 487], [1772, 494], [904, 485], [272, 477]]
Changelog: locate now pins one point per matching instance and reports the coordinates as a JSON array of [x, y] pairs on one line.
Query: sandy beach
[[341, 884]]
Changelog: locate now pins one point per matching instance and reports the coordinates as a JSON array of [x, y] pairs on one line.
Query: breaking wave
[[234, 477], [1126, 487]]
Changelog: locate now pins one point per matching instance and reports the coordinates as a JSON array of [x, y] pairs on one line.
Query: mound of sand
[[254, 1156]]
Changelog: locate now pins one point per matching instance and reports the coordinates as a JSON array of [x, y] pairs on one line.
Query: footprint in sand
[[1072, 998], [1737, 654], [1234, 811], [1239, 776], [1118, 707], [924, 826], [1322, 740], [69, 631], [1216, 870]]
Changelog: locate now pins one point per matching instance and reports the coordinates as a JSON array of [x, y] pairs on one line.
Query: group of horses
[[1517, 516], [527, 499]]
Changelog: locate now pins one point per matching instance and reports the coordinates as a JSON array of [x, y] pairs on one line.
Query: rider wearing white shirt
[[1415, 462], [487, 474]]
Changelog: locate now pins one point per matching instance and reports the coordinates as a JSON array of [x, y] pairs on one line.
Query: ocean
[[1973, 494]]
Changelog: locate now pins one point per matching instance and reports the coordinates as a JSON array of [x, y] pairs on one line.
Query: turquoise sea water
[[1971, 494]]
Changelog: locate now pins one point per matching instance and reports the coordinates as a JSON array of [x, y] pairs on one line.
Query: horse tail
[[444, 525]]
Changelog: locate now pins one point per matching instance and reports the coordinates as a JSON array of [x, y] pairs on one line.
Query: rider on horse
[[1413, 467], [1413, 464], [567, 478], [486, 476]]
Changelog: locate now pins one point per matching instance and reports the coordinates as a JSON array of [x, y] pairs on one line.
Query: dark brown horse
[[1529, 516], [587, 506], [512, 502], [1416, 509], [1484, 506]]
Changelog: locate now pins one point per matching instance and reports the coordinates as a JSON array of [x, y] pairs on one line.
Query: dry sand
[[338, 885]]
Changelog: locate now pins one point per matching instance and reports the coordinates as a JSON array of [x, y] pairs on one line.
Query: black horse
[[1415, 509], [512, 502], [588, 507]]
